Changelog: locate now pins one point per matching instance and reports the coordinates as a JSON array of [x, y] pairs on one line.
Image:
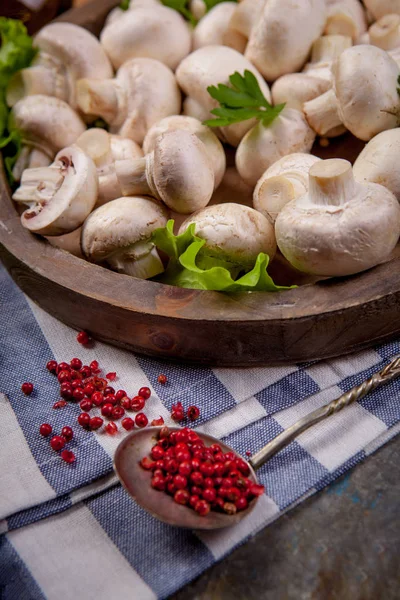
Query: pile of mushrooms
[[250, 184]]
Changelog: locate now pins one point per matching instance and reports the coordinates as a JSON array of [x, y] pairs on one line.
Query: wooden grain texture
[[326, 319]]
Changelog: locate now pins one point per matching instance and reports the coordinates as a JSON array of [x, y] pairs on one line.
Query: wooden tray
[[313, 321]]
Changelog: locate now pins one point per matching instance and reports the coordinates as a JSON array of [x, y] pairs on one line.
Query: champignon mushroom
[[47, 123], [340, 227], [143, 92], [213, 29], [153, 31], [281, 39], [364, 96], [119, 234], [246, 15], [178, 172], [284, 181], [60, 196], [379, 161], [214, 147], [346, 17], [262, 146], [379, 8], [233, 232], [104, 149], [198, 8], [209, 66], [67, 53], [29, 158], [296, 88]]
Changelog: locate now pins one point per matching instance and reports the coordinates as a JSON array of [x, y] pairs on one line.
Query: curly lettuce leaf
[[16, 52], [190, 266]]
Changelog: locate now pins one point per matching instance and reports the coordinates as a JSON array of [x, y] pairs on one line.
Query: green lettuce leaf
[[16, 52], [190, 266]]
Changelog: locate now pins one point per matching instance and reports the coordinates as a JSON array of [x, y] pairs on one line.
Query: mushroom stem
[[132, 176], [102, 97], [39, 185], [331, 183], [327, 48], [385, 33], [322, 113], [139, 260]]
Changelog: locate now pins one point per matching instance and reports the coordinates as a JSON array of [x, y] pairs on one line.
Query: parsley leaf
[[243, 101], [16, 52]]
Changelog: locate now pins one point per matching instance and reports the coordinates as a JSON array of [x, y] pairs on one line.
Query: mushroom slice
[[60, 196], [233, 232], [340, 226], [119, 234]]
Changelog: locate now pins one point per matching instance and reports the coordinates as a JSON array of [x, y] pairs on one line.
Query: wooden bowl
[[310, 322]]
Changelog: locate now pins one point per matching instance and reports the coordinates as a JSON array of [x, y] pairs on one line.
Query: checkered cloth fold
[[71, 531]]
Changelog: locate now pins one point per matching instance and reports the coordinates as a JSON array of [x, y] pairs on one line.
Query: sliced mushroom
[[47, 123], [153, 31], [178, 172], [119, 234], [60, 196], [284, 181], [209, 66], [143, 92], [340, 226], [233, 232], [214, 147], [67, 53]]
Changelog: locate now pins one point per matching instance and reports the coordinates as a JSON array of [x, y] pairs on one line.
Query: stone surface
[[341, 544]]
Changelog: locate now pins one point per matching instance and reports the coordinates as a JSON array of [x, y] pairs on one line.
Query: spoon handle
[[391, 371]]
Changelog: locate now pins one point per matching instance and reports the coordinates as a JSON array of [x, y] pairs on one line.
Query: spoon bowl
[[137, 482]]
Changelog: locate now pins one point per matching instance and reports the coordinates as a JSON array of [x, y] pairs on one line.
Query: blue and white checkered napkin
[[71, 531]]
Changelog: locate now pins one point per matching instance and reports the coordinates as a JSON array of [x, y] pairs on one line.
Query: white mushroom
[[213, 29], [210, 66], [178, 172], [281, 39], [213, 145], [47, 123], [105, 149], [143, 92], [233, 232], [67, 53], [70, 242], [198, 8], [379, 8], [60, 196], [346, 17], [29, 158], [340, 227], [153, 31], [262, 146], [284, 181], [119, 234], [385, 33], [296, 88], [246, 15], [364, 97], [379, 161]]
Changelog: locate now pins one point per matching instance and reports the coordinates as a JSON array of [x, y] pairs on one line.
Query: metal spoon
[[138, 444]]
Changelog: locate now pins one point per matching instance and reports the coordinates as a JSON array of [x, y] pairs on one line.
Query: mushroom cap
[[365, 84], [152, 93], [214, 147], [155, 32], [233, 232], [385, 33], [212, 28], [379, 8], [74, 198], [105, 148], [346, 17], [379, 161], [296, 88], [47, 123], [281, 39], [212, 65], [262, 146], [76, 48], [181, 171], [353, 233], [120, 224]]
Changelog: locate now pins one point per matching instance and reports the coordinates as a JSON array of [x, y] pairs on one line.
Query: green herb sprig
[[242, 101]]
